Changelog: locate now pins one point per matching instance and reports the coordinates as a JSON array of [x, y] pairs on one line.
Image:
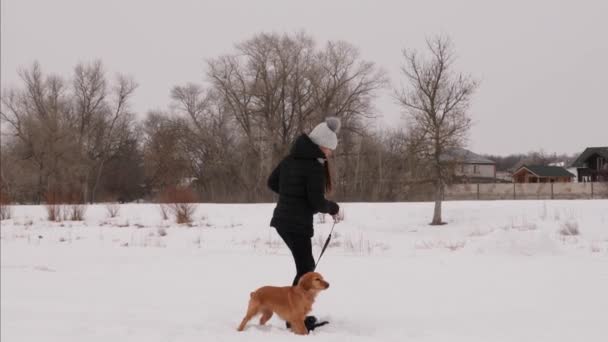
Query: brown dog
[[291, 303]]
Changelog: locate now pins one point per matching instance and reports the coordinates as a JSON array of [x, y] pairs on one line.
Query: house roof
[[546, 171], [465, 156], [590, 151]]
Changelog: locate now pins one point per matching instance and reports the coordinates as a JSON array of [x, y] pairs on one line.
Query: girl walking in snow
[[301, 180]]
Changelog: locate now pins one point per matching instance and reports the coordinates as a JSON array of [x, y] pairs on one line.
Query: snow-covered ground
[[499, 271]]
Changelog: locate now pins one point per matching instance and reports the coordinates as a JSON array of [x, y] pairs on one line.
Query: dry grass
[[452, 245], [64, 206], [164, 211], [53, 206], [180, 202], [124, 225], [357, 244], [183, 212], [522, 226], [478, 232], [113, 209], [198, 241], [543, 213], [595, 247], [569, 228], [53, 212], [5, 212], [455, 245], [76, 211], [5, 208]]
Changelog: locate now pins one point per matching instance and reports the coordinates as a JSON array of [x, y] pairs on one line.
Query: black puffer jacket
[[300, 182]]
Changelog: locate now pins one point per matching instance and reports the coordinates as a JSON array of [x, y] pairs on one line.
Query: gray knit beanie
[[325, 134]]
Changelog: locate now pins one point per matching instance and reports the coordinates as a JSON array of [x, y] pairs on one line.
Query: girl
[[302, 179]]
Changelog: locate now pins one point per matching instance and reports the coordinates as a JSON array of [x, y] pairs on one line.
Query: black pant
[[301, 249]]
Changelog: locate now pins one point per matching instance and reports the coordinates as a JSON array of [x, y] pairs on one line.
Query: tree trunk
[[437, 211], [97, 179], [39, 193], [85, 188], [380, 188]]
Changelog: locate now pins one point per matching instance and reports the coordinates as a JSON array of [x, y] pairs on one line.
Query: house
[[471, 167], [504, 177], [592, 165], [542, 174], [570, 169]]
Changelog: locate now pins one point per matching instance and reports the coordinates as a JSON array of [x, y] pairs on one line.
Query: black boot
[[310, 322]]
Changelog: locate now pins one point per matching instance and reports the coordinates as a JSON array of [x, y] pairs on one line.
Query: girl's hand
[[339, 216]]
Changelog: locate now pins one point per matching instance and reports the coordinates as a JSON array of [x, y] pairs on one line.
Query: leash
[[326, 244]]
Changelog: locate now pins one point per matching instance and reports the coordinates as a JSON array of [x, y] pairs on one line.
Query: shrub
[[164, 211], [75, 208], [76, 211], [5, 208], [569, 228], [113, 209], [180, 202], [64, 205], [53, 200]]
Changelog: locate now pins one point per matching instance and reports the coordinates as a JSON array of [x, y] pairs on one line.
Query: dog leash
[[326, 244]]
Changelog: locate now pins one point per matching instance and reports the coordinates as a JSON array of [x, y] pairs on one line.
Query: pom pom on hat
[[325, 133]]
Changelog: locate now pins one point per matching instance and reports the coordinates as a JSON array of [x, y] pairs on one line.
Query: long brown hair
[[329, 185]]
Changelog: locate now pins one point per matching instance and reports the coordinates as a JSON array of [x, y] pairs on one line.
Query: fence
[[526, 191]]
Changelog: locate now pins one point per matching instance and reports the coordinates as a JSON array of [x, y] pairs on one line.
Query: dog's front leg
[[298, 327]]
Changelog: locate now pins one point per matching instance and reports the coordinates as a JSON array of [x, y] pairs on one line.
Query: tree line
[[77, 135]]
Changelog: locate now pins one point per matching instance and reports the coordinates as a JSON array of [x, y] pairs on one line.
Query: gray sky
[[542, 64]]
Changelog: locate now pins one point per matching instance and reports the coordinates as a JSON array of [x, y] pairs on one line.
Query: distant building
[[542, 174], [504, 176], [570, 169], [592, 165], [470, 167]]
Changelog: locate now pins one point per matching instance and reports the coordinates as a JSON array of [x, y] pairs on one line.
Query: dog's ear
[[305, 281]]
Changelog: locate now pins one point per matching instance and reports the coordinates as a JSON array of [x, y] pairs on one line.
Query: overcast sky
[[542, 64]]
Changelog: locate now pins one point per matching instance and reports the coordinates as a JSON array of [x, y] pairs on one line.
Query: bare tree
[[37, 118], [345, 85], [102, 119], [63, 134], [123, 176], [279, 86], [115, 127], [90, 107], [436, 99], [165, 159], [266, 87], [211, 143]]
